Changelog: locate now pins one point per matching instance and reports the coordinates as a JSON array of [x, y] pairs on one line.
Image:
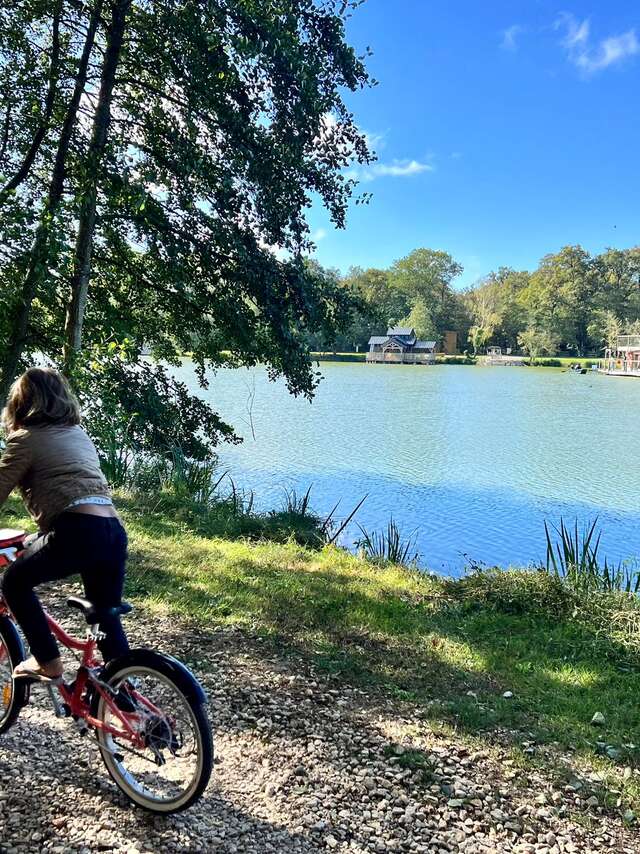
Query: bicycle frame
[[72, 695], [107, 699]]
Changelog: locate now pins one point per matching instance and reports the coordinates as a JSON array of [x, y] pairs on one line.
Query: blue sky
[[504, 130]]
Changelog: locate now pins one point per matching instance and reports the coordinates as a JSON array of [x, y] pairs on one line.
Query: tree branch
[[38, 255], [87, 218], [38, 137], [5, 131]]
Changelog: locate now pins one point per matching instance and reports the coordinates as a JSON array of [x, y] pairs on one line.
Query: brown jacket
[[52, 466]]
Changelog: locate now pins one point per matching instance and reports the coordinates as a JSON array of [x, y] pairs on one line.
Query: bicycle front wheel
[[167, 765], [14, 693]]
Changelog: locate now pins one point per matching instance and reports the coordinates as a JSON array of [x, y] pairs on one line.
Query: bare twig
[[347, 520]]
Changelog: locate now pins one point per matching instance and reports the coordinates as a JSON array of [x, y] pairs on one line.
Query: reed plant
[[239, 501], [117, 459], [118, 464], [389, 545], [296, 504], [573, 555]]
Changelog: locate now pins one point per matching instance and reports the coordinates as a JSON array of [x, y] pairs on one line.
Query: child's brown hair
[[40, 396]]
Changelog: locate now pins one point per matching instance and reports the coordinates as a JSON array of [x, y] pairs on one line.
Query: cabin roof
[[401, 342], [401, 331], [403, 337]]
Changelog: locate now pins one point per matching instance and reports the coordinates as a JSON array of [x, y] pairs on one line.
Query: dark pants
[[95, 547]]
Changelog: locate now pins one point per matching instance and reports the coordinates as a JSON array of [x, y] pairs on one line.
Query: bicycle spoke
[[166, 763]]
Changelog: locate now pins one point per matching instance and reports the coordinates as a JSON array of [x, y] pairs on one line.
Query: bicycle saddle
[[93, 614], [10, 537]]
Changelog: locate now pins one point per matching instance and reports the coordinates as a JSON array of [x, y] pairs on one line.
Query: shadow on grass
[[244, 674], [456, 662], [451, 659]]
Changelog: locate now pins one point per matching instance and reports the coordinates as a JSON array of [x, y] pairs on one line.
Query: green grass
[[339, 357], [451, 647], [564, 362], [441, 359]]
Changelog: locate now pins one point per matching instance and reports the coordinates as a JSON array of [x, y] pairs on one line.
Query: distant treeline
[[573, 303]]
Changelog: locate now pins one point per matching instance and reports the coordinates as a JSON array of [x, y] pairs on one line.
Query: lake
[[471, 459]]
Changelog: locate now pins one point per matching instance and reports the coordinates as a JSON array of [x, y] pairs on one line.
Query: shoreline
[[478, 361], [512, 659]]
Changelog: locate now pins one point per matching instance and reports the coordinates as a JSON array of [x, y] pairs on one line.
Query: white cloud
[[278, 251], [318, 235], [576, 32], [401, 168], [610, 51], [591, 58], [379, 169], [510, 36], [329, 126], [375, 141], [394, 169]]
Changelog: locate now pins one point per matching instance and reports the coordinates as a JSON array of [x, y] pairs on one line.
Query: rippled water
[[472, 459]]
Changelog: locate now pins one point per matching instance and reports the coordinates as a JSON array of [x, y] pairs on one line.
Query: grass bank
[[564, 362], [339, 357], [509, 655], [555, 362], [441, 359]]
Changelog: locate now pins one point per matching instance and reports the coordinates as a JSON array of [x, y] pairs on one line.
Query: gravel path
[[304, 764]]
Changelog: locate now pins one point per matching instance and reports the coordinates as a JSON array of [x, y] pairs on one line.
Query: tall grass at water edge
[[573, 556], [200, 489], [388, 545]]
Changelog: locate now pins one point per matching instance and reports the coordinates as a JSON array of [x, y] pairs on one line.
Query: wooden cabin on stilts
[[401, 346]]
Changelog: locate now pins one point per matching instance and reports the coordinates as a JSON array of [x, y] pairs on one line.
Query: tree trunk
[[87, 219], [38, 255], [54, 71]]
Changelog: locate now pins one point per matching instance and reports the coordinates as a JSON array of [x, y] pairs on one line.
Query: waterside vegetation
[[521, 656], [467, 359]]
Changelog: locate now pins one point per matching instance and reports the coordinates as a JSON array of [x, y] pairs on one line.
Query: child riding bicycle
[[54, 463]]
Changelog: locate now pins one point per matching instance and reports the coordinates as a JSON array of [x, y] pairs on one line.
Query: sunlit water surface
[[473, 460]]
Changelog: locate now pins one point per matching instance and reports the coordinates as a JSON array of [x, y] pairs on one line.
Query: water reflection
[[472, 459]]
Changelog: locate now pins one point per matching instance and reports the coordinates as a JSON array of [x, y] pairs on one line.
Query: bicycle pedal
[[61, 710], [82, 727]]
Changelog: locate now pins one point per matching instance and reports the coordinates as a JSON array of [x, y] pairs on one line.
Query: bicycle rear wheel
[[171, 767], [13, 693]]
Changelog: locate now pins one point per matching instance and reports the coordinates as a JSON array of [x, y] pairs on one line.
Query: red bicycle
[[147, 709]]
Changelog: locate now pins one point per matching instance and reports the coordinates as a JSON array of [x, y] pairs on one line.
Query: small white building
[[495, 356], [401, 346], [624, 358]]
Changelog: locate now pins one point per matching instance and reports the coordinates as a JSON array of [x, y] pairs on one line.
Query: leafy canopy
[[166, 155]]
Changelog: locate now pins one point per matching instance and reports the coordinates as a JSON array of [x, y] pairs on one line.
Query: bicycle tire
[[11, 642], [152, 661]]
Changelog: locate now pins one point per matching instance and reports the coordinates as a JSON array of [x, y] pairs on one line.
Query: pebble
[[305, 765]]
